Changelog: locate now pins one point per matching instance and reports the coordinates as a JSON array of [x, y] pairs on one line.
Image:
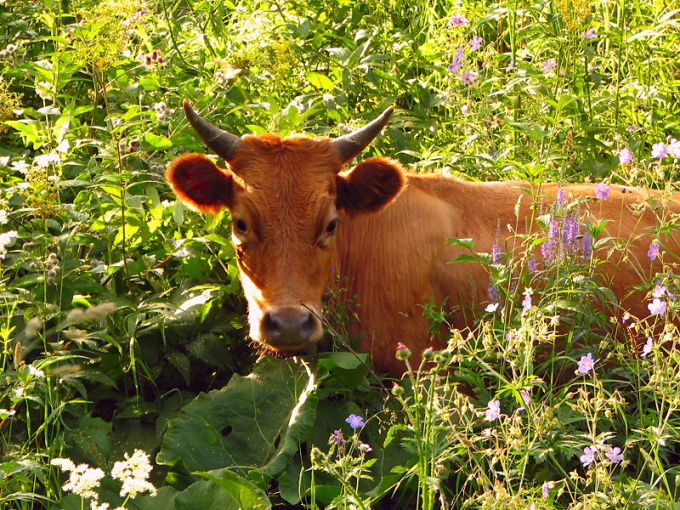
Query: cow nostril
[[291, 326]]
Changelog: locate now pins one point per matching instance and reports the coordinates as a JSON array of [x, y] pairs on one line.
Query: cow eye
[[240, 226], [330, 229]]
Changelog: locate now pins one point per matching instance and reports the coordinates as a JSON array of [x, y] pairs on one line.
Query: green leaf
[[320, 81], [257, 421], [465, 243], [241, 490], [156, 142]]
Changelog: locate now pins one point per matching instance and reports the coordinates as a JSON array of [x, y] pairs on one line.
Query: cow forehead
[[286, 165], [287, 183]]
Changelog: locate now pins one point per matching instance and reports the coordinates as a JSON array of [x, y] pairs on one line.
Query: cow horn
[[222, 143], [352, 144]]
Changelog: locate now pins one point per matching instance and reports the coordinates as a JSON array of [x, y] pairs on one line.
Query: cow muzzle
[[291, 329]]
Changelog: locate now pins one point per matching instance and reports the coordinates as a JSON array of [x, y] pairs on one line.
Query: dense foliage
[[127, 378]]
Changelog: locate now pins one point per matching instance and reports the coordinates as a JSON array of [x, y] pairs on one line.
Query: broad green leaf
[[157, 142], [465, 243], [256, 421], [241, 490], [320, 81]]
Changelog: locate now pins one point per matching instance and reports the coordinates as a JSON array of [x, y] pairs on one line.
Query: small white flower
[[63, 147], [6, 238], [3, 217], [133, 472], [83, 480], [44, 160], [21, 166]]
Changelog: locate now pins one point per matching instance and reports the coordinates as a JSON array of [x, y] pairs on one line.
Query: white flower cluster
[[162, 111], [11, 48], [133, 472], [6, 238], [84, 480]]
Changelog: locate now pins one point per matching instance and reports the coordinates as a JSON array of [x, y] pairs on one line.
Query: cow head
[[284, 195]]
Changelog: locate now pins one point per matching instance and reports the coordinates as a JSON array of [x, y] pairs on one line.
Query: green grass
[[122, 323]]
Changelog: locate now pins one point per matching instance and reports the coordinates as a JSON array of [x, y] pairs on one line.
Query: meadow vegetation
[[127, 379]]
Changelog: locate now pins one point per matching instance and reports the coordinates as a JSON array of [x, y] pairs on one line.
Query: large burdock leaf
[[255, 422]]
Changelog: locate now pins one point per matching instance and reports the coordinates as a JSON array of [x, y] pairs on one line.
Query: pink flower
[[464, 109], [653, 251], [647, 348], [614, 454], [674, 148], [588, 456], [549, 65], [590, 33], [491, 307], [625, 156], [457, 21], [586, 364], [602, 191], [494, 410], [468, 78], [545, 489], [476, 43], [657, 307], [659, 150]]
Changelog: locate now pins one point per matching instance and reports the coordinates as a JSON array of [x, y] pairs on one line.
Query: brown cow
[[296, 214]]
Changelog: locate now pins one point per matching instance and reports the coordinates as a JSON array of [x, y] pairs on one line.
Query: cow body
[[398, 259], [300, 222]]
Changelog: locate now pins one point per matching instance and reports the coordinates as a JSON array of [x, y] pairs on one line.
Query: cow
[[301, 222]]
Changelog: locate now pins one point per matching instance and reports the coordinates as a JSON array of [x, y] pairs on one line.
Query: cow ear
[[371, 185], [200, 183]]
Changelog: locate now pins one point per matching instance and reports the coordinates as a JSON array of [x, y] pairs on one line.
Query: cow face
[[284, 196]]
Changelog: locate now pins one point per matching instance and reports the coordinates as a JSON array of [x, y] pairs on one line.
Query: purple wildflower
[[590, 33], [570, 233], [464, 109], [355, 421], [674, 148], [549, 65], [365, 448], [602, 191], [653, 251], [457, 60], [586, 364], [476, 42], [511, 65], [468, 78], [647, 348], [494, 410], [657, 307], [625, 156], [614, 454], [561, 196], [532, 265], [659, 150], [526, 302], [545, 489], [336, 437], [659, 290], [526, 396], [491, 308], [548, 247], [495, 254], [588, 456], [587, 244], [457, 21], [493, 292]]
